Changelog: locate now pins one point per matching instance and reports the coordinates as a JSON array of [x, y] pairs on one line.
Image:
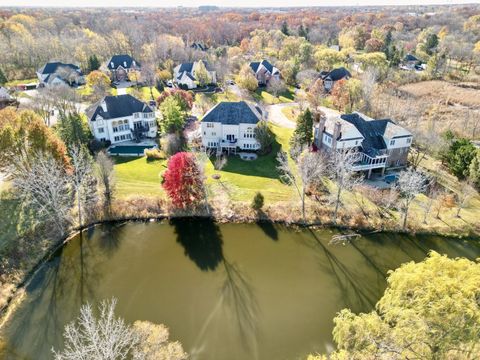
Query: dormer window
[[392, 142], [125, 64], [136, 115]]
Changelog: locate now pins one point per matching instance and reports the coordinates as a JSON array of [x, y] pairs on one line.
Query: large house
[[411, 62], [330, 77], [380, 144], [58, 73], [185, 75], [199, 46], [121, 118], [229, 126], [120, 66], [264, 71]]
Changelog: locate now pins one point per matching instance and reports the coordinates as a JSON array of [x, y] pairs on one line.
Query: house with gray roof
[[264, 71], [185, 74], [229, 126], [120, 66], [329, 78], [121, 118], [58, 73], [380, 144]]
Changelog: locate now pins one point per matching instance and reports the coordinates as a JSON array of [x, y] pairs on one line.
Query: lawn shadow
[[125, 159], [202, 241], [264, 166]]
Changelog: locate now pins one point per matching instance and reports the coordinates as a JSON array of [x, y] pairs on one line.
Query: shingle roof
[[410, 57], [337, 74], [233, 113], [120, 60], [188, 67], [254, 65], [117, 106], [51, 67]]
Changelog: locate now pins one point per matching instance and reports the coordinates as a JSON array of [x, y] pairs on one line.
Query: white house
[[230, 126], [380, 144], [121, 118], [57, 73], [120, 66], [185, 74], [264, 71]]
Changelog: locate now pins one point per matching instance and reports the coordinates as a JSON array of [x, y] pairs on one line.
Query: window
[[409, 140], [135, 115], [116, 138], [230, 137], [101, 130], [392, 142], [214, 133], [209, 125]]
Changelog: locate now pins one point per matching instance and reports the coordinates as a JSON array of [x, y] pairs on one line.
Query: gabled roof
[[410, 57], [374, 131], [233, 113], [199, 46], [117, 106], [336, 74], [187, 74], [51, 67], [121, 60], [256, 64]]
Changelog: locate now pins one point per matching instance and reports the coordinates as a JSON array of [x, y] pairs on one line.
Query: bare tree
[[105, 173], [464, 196], [369, 83], [311, 168], [43, 185], [83, 181], [410, 184], [276, 86], [341, 171], [107, 337]]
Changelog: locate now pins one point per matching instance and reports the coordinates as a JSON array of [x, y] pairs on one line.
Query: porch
[[368, 163]]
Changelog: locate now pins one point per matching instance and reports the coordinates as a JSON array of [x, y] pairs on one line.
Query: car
[[169, 83]]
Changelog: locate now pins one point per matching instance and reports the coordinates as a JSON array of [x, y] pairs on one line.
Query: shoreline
[[18, 291]]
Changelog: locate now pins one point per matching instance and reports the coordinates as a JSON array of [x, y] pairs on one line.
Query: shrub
[[258, 201], [155, 154]]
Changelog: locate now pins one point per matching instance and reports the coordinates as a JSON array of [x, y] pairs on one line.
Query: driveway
[[275, 115]]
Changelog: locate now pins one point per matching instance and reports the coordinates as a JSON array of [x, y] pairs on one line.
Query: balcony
[[367, 162]]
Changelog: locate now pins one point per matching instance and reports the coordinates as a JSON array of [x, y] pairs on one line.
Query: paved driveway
[[275, 115]]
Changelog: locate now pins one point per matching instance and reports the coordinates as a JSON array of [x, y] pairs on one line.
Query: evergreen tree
[[303, 135], [303, 31], [431, 44], [3, 78], [93, 63], [285, 29], [73, 129]]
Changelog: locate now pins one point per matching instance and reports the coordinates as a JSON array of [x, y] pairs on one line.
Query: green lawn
[[290, 112], [145, 92], [18, 82], [261, 94], [242, 179], [87, 90], [137, 176]]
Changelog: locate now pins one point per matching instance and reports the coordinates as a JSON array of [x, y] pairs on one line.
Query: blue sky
[[225, 3]]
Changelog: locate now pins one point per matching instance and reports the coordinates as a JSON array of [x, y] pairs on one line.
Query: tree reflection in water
[[203, 244]]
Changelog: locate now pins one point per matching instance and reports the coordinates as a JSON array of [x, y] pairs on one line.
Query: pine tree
[[303, 135], [303, 31], [93, 63], [3, 78], [285, 29]]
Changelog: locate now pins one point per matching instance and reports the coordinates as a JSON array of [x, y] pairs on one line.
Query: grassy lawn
[[290, 112], [18, 82], [242, 179], [137, 176], [225, 96], [87, 90], [145, 92], [261, 94]]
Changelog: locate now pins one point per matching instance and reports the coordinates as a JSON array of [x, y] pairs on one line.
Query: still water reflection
[[225, 291]]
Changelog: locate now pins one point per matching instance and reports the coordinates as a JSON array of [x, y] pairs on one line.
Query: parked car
[[169, 83]]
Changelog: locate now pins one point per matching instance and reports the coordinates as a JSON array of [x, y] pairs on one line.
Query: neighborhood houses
[[330, 77], [381, 144], [58, 73], [192, 74], [229, 126], [122, 118], [264, 71], [120, 66]]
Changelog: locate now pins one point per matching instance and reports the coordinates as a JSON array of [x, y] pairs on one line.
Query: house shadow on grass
[[264, 166]]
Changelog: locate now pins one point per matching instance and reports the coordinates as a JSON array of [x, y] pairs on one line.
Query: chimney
[[104, 105], [111, 64], [336, 133], [320, 129], [124, 64]]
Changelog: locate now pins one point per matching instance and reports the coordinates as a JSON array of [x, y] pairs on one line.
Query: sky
[[223, 3]]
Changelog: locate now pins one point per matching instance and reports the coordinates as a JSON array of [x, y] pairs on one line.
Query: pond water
[[233, 291]]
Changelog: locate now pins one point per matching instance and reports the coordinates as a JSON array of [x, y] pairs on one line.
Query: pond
[[230, 291]]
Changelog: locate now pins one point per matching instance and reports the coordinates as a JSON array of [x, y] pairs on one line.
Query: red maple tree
[[183, 180]]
